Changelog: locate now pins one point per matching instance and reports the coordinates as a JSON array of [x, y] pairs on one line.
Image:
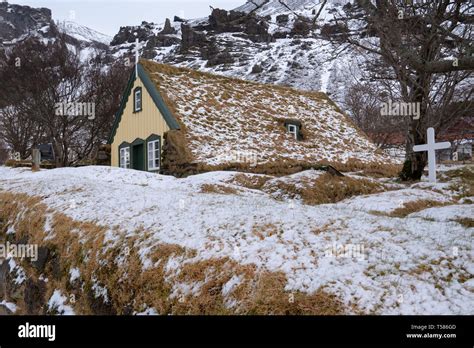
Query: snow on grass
[[10, 306], [234, 281], [148, 311], [100, 291], [74, 274], [448, 213], [11, 230], [389, 201], [57, 304], [225, 117], [419, 264], [17, 271]]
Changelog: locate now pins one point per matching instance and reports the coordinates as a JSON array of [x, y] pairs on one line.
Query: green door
[[138, 157]]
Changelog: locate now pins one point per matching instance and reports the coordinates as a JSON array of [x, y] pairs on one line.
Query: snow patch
[[57, 303]]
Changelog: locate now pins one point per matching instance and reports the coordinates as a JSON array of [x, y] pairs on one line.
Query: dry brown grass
[[260, 292], [17, 164], [466, 222], [33, 219], [263, 231], [415, 206], [331, 189], [215, 188], [176, 154], [254, 182], [377, 170], [284, 166], [320, 190], [269, 299], [464, 181], [324, 228], [323, 189], [130, 287], [464, 173]]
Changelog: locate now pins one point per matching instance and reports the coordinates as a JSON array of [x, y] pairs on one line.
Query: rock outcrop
[[191, 38], [168, 29]]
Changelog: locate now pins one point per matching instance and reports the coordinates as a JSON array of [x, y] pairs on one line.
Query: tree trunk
[[58, 154], [415, 162], [413, 167]]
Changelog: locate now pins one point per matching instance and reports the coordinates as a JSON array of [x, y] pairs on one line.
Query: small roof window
[[293, 127]]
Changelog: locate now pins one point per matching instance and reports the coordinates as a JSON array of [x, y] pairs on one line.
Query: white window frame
[[293, 129], [125, 157], [154, 155], [137, 100]]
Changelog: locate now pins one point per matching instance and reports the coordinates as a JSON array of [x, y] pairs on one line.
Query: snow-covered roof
[[223, 116]]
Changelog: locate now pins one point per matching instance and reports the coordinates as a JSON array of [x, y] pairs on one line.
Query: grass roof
[[224, 119]]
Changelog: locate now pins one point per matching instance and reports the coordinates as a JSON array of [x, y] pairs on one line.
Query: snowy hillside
[[380, 253], [274, 7], [83, 33]]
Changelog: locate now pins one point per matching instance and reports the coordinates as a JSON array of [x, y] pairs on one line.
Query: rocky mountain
[[18, 23], [270, 41], [261, 40]]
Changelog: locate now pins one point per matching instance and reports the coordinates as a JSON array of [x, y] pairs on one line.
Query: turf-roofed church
[[180, 121]]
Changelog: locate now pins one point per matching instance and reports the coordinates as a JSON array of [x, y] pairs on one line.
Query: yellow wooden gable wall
[[138, 125]]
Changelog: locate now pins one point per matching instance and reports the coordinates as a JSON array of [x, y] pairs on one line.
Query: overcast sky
[[106, 16]]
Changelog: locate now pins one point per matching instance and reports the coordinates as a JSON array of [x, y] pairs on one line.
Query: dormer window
[[293, 127], [293, 130], [137, 99]]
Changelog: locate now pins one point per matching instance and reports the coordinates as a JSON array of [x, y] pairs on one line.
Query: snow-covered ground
[[420, 264]]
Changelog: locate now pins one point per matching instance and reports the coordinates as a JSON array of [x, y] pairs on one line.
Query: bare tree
[[52, 96], [428, 48], [19, 130], [105, 88], [3, 152], [362, 101]]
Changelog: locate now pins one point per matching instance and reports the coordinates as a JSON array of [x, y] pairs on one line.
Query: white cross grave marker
[[431, 147], [137, 54]]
